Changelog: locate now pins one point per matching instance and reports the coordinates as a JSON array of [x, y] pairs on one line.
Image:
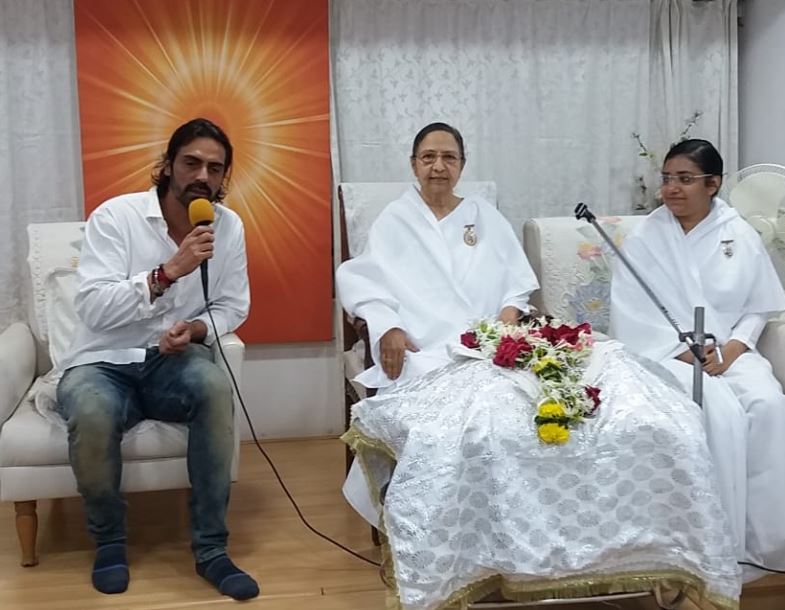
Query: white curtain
[[40, 166], [547, 93], [694, 58]]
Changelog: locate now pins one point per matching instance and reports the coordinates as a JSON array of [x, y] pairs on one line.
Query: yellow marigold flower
[[553, 434], [544, 363], [551, 408]]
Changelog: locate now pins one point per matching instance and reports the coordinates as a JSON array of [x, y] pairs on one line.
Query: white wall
[[762, 82], [293, 390]]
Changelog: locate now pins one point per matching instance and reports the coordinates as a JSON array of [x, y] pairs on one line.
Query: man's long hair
[[184, 135]]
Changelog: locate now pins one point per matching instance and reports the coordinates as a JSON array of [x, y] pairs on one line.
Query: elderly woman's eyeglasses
[[448, 158], [682, 179]]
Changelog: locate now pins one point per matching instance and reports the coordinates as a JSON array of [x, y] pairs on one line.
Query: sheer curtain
[[546, 92], [694, 59], [40, 166]]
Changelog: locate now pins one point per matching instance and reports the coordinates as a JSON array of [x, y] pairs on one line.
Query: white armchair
[[34, 446], [575, 279]]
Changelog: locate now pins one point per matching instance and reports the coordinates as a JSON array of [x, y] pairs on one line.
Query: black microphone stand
[[695, 340]]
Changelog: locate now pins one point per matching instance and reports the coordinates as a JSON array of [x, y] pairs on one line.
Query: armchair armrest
[[771, 346], [234, 350], [17, 367], [361, 329]]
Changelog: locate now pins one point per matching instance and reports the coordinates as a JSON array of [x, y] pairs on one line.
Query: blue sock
[[227, 578], [110, 569]]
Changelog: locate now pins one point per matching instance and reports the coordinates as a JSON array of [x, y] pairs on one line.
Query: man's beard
[[195, 190]]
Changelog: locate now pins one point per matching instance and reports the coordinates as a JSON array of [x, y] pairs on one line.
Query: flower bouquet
[[556, 354]]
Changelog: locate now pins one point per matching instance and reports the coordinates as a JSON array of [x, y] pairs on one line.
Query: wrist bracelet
[[163, 278], [155, 284]]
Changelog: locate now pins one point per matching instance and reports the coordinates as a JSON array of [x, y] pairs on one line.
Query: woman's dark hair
[[184, 135], [701, 152], [439, 127]]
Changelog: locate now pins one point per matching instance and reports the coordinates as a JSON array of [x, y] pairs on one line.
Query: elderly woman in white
[[474, 501], [695, 250]]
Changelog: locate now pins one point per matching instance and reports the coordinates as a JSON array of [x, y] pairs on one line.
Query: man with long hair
[[141, 349]]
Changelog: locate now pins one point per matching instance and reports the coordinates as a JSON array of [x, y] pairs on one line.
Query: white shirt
[[125, 239]]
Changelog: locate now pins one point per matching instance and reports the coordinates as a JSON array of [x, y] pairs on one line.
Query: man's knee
[[209, 388], [95, 430], [89, 405], [216, 384]]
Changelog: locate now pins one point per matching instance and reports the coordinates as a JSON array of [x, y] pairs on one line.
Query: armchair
[[34, 461]]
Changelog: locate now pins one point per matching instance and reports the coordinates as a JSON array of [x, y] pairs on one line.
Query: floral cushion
[[572, 264]]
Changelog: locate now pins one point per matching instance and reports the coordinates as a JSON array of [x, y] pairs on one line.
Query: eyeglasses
[[682, 179], [448, 158]]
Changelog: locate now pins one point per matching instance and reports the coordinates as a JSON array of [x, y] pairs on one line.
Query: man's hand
[[176, 339], [392, 348], [509, 315], [196, 247]]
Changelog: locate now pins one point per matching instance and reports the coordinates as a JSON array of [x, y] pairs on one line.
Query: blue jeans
[[101, 401]]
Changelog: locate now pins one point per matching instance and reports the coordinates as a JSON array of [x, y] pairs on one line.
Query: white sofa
[[34, 446], [575, 280]]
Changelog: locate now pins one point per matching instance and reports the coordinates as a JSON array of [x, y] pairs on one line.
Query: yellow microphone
[[201, 213]]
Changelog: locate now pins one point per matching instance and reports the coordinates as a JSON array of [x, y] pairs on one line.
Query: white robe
[[721, 265], [418, 274]]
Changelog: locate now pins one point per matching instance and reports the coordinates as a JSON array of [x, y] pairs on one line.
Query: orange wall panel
[[258, 68]]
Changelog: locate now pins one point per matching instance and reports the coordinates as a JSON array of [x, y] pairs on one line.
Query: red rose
[[469, 339], [568, 334], [548, 333], [507, 353], [594, 394], [524, 347]]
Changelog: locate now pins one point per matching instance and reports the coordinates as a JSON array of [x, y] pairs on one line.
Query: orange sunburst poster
[[259, 69]]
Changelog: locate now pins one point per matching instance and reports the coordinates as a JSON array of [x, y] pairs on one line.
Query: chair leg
[[27, 530]]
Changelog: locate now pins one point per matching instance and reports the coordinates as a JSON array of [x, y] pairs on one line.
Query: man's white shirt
[[125, 239]]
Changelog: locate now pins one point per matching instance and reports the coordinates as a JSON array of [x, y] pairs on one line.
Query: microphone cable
[[267, 457], [760, 567]]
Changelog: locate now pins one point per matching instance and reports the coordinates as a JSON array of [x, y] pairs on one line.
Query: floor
[[295, 569]]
